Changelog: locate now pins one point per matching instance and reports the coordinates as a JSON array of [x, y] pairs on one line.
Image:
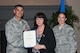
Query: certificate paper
[[29, 38]]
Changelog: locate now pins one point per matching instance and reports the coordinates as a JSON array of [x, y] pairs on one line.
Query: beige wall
[[30, 2], [75, 6], [77, 30]]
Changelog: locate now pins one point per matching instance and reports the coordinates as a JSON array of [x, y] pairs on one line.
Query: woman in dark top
[[45, 37]]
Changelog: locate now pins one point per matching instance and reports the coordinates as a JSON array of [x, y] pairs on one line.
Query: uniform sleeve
[[12, 37], [73, 41], [27, 25]]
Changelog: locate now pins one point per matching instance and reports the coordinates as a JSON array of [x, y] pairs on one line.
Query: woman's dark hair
[[40, 15], [62, 13]]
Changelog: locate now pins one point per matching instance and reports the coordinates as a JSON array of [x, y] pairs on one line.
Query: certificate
[[29, 38]]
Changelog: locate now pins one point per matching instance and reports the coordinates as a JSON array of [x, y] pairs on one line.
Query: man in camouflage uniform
[[14, 31]]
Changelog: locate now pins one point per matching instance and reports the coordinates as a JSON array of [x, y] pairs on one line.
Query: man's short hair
[[18, 5]]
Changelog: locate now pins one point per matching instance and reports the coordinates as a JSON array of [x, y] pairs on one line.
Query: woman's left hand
[[39, 46]]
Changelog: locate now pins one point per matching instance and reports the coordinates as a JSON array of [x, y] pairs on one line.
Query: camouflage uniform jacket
[[13, 31], [65, 39]]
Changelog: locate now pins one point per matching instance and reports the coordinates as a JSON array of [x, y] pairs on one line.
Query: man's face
[[18, 11]]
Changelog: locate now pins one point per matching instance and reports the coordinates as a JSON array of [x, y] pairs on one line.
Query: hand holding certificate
[[29, 38]]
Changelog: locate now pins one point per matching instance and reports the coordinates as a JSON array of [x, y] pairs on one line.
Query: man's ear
[[66, 19], [14, 10]]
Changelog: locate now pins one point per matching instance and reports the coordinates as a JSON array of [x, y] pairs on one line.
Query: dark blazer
[[48, 40]]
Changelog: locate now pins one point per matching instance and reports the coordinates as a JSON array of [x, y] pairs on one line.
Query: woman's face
[[61, 18], [39, 21]]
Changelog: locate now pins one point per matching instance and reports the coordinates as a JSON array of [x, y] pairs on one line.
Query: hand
[[39, 46], [25, 29]]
